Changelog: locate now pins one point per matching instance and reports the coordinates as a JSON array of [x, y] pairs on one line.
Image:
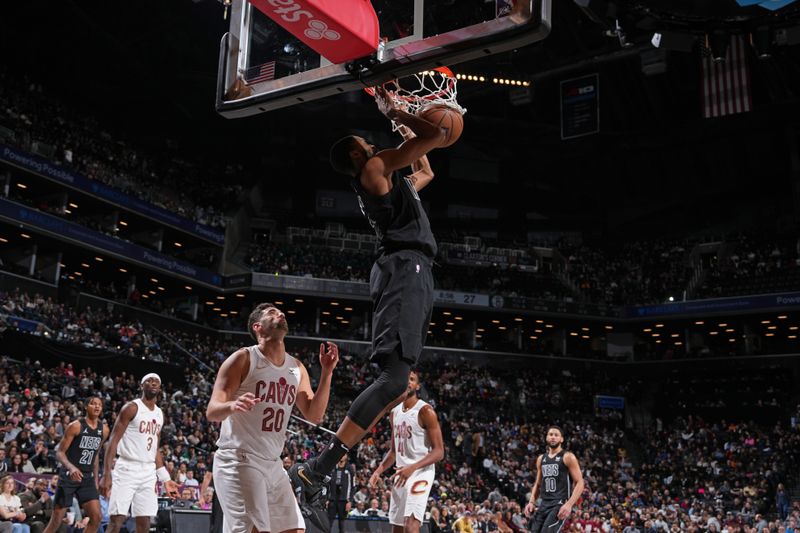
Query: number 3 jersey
[[262, 430], [84, 448], [140, 440], [410, 439]]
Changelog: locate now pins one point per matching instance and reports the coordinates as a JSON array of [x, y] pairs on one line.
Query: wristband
[[163, 474]]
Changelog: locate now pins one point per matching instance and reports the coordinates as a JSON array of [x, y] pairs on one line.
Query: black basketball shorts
[[85, 490], [401, 290], [545, 520]]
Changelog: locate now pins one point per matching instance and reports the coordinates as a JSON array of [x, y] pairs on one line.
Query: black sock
[[327, 460]]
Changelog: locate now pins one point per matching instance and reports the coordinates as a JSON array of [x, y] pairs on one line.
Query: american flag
[[259, 73], [726, 84]]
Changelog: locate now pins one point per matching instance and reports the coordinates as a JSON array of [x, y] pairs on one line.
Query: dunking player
[[135, 439], [559, 482], [401, 282], [416, 446], [79, 454], [254, 393]]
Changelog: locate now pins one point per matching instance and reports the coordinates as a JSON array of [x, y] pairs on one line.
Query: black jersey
[[398, 218], [556, 483], [85, 446]]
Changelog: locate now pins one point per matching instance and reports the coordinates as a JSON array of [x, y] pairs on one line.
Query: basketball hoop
[[427, 88]]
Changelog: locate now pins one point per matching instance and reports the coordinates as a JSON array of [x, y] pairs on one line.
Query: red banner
[[339, 30]]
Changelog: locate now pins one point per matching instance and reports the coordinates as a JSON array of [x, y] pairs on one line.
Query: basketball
[[445, 117]]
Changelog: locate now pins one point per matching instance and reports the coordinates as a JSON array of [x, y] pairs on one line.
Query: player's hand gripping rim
[[385, 102]]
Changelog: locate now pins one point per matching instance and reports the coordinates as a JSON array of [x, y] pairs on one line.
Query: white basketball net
[[419, 91]]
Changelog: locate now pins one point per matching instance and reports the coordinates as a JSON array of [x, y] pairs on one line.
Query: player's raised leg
[[401, 282]]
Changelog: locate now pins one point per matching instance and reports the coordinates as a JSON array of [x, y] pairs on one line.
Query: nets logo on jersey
[[89, 443], [151, 428], [550, 470], [281, 392]]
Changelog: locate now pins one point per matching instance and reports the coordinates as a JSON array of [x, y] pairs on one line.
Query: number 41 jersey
[[262, 430]]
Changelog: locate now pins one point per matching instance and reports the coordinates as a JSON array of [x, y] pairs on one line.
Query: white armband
[[163, 474]]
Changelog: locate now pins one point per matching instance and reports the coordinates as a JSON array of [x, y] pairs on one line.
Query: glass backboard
[[264, 67]]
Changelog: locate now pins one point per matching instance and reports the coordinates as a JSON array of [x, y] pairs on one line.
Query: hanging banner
[[580, 106]]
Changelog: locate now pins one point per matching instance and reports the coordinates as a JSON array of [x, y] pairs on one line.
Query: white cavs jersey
[[410, 439], [140, 440], [262, 430]]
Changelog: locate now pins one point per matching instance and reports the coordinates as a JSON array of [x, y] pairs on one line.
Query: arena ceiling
[[150, 69]]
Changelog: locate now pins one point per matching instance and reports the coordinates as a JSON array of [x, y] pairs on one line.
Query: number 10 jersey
[[262, 430]]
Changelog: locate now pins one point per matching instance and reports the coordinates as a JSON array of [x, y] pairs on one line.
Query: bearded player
[[253, 397], [559, 482]]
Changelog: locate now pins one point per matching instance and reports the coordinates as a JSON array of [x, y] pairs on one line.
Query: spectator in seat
[[190, 480], [360, 510], [10, 506], [38, 505], [186, 499], [374, 509], [464, 524], [782, 501], [42, 460]]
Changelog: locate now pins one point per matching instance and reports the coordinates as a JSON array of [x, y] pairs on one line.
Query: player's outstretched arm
[[126, 414], [422, 173], [313, 404], [388, 459], [531, 506], [430, 422], [223, 402], [428, 137], [421, 127], [574, 468], [73, 430]]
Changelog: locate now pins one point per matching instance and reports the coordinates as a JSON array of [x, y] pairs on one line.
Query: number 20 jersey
[[262, 430]]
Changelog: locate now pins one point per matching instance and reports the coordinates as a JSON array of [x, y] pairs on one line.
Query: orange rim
[[442, 70]]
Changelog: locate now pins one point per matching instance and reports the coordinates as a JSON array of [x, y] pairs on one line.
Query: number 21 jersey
[[83, 448], [261, 431]]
